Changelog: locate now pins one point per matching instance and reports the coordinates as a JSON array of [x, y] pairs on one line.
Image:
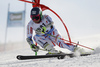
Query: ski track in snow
[[8, 59]]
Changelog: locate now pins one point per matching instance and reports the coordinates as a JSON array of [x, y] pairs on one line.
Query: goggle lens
[[37, 17]]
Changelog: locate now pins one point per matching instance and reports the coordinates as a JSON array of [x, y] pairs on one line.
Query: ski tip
[[18, 57]]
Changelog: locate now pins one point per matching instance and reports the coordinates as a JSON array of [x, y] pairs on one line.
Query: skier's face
[[36, 18], [37, 21]]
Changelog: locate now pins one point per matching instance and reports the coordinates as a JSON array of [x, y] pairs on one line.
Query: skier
[[43, 25]]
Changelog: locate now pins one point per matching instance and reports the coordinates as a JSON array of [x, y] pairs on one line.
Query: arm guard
[[30, 41]]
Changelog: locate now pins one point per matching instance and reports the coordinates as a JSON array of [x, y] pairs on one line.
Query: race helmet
[[36, 14]]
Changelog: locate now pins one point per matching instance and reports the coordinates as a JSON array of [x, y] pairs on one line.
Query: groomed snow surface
[[8, 58]]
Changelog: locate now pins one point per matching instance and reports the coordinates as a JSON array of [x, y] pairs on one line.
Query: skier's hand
[[34, 48], [41, 30], [38, 30]]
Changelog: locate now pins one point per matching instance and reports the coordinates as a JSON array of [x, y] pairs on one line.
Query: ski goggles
[[35, 18]]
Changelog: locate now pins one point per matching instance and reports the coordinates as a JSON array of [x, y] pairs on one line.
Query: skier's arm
[[29, 38], [51, 23], [29, 34], [49, 20], [32, 45], [43, 29]]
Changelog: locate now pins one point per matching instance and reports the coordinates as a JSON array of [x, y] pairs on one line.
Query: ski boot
[[51, 50], [76, 47]]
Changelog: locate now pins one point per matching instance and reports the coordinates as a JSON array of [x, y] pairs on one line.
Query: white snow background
[[8, 58]]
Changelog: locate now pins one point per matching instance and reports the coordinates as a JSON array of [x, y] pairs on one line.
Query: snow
[[8, 58]]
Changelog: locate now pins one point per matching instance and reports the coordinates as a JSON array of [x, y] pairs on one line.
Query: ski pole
[[36, 51], [71, 42]]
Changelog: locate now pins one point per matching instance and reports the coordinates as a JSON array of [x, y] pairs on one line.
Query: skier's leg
[[60, 42], [46, 44]]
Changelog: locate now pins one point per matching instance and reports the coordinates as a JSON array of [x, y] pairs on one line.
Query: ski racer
[[43, 25]]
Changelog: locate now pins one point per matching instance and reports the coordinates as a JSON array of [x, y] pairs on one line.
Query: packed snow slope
[[8, 58]]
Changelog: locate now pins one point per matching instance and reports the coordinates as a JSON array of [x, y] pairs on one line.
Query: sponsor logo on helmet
[[33, 12]]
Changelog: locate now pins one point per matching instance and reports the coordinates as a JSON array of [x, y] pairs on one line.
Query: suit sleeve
[[29, 31], [49, 18]]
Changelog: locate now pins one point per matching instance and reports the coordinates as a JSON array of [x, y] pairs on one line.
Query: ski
[[60, 56], [21, 57]]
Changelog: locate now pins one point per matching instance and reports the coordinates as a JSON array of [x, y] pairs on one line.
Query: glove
[[34, 48], [43, 30], [40, 30]]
